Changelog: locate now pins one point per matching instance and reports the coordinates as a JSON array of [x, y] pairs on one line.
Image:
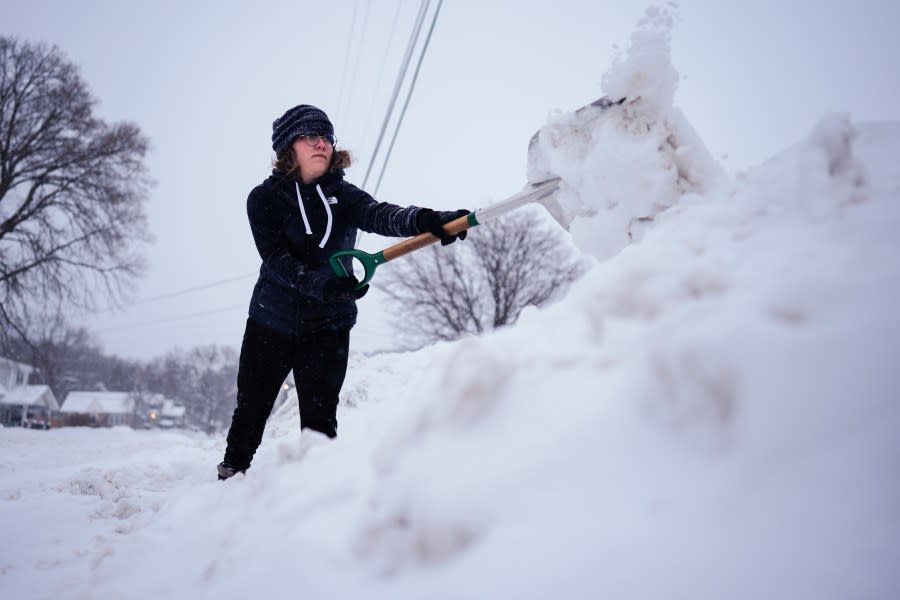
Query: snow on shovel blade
[[538, 162]]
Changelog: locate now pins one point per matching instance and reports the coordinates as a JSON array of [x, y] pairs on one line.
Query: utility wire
[[347, 54], [205, 286], [353, 72], [170, 319], [197, 288], [384, 59], [420, 19], [380, 78], [409, 94]]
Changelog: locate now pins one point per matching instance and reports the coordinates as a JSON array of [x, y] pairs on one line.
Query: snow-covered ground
[[711, 412]]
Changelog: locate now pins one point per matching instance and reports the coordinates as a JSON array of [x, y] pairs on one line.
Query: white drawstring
[[328, 211], [303, 210]]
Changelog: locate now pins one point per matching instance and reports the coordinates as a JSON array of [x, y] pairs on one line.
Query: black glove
[[343, 289], [433, 221]]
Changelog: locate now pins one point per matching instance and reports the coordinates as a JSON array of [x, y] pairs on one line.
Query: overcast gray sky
[[204, 80]]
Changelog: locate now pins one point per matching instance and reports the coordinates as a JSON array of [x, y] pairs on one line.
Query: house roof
[[15, 363], [150, 399], [170, 409], [30, 395], [98, 403]]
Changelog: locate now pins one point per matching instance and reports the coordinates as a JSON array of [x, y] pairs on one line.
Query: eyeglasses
[[313, 140]]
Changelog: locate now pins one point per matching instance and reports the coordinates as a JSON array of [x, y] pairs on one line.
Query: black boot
[[226, 471]]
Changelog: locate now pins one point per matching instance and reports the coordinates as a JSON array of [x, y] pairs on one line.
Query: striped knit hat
[[303, 119]]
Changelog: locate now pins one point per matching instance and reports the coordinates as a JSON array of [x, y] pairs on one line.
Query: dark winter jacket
[[297, 227]]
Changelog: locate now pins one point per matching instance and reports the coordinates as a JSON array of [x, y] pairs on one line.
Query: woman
[[301, 313]]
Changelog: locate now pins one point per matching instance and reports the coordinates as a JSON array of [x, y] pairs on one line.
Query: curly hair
[[286, 162]]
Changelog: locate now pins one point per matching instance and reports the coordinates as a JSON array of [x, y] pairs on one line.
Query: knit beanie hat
[[303, 119]]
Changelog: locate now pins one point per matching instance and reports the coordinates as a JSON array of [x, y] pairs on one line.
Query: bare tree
[[72, 190], [483, 283]]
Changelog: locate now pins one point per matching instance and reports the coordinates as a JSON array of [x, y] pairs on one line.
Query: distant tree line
[[202, 379]]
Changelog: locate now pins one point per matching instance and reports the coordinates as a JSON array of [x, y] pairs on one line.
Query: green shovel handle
[[369, 262]]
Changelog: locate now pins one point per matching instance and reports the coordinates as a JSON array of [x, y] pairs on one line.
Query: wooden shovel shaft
[[536, 192], [426, 239]]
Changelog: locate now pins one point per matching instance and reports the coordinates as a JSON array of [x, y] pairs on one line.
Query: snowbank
[[710, 413]]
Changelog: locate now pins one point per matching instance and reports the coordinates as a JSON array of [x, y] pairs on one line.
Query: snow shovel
[[542, 193]]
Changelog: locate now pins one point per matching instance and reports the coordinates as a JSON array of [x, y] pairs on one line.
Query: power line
[[181, 292], [380, 77], [412, 86], [171, 319], [350, 38], [420, 19], [205, 286], [355, 69]]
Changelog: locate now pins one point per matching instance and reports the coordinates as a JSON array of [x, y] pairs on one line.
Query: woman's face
[[313, 156]]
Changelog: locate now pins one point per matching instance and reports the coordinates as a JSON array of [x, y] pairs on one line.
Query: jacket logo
[[332, 200]]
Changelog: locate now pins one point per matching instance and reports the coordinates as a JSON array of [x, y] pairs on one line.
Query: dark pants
[[319, 363]]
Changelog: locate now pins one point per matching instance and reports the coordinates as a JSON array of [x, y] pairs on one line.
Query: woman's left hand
[[433, 222], [343, 289]]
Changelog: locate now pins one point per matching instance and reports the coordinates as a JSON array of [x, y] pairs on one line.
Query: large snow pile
[[710, 413], [643, 135]]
